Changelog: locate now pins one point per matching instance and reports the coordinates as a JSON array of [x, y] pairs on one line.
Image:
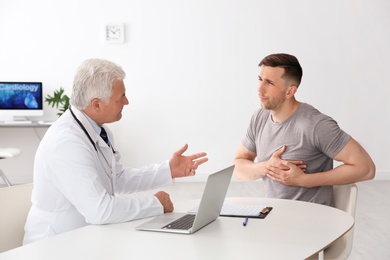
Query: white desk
[[292, 230], [26, 124]]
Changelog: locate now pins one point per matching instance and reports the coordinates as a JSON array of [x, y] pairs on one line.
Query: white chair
[[8, 153], [15, 203], [345, 197]]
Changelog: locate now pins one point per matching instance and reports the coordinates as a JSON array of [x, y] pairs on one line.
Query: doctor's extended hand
[[182, 166]]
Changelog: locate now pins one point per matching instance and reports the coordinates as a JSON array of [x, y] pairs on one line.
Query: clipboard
[[243, 214]]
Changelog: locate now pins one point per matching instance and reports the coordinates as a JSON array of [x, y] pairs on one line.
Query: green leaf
[[58, 100]]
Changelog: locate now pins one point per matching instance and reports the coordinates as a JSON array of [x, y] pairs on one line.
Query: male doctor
[[78, 177]]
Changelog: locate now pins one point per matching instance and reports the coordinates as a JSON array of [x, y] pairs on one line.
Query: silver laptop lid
[[213, 197]]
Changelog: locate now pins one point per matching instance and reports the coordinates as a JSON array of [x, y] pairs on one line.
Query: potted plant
[[59, 100]]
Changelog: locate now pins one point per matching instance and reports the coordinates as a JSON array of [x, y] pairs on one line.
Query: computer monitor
[[20, 100]]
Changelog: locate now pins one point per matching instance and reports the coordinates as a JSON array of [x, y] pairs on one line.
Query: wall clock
[[115, 33]]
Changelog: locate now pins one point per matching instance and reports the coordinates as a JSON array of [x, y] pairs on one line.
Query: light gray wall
[[192, 68]]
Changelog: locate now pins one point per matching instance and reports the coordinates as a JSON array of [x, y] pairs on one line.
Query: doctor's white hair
[[94, 79]]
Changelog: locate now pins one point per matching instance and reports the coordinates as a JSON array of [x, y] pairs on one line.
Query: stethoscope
[[109, 171]]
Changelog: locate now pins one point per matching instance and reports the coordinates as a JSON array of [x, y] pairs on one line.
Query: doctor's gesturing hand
[[182, 166]]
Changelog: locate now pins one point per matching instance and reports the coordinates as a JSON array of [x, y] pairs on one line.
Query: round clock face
[[115, 33]]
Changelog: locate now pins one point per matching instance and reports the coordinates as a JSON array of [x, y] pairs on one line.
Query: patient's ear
[[292, 89]]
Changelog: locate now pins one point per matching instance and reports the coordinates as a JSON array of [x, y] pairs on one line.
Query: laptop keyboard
[[184, 223]]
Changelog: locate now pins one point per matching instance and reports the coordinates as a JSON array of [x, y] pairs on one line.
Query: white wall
[[192, 68]]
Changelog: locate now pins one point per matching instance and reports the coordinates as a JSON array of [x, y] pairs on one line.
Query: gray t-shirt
[[309, 136]]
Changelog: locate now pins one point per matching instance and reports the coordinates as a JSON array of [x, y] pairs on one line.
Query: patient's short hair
[[292, 68]]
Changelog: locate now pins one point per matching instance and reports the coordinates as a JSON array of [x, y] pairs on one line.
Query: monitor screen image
[[20, 99]]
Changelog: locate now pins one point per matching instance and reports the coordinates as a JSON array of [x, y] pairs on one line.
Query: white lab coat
[[72, 187]]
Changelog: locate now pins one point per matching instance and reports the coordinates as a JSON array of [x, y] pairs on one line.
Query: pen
[[245, 221]]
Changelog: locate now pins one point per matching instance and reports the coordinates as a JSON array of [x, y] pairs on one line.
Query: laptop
[[209, 208]]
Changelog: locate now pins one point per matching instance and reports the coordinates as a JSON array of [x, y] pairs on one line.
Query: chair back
[[345, 197], [15, 203]]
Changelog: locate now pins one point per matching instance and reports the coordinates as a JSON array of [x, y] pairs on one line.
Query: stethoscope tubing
[[108, 172], [82, 127]]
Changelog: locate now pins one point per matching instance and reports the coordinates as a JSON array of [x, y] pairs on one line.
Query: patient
[[291, 145]]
